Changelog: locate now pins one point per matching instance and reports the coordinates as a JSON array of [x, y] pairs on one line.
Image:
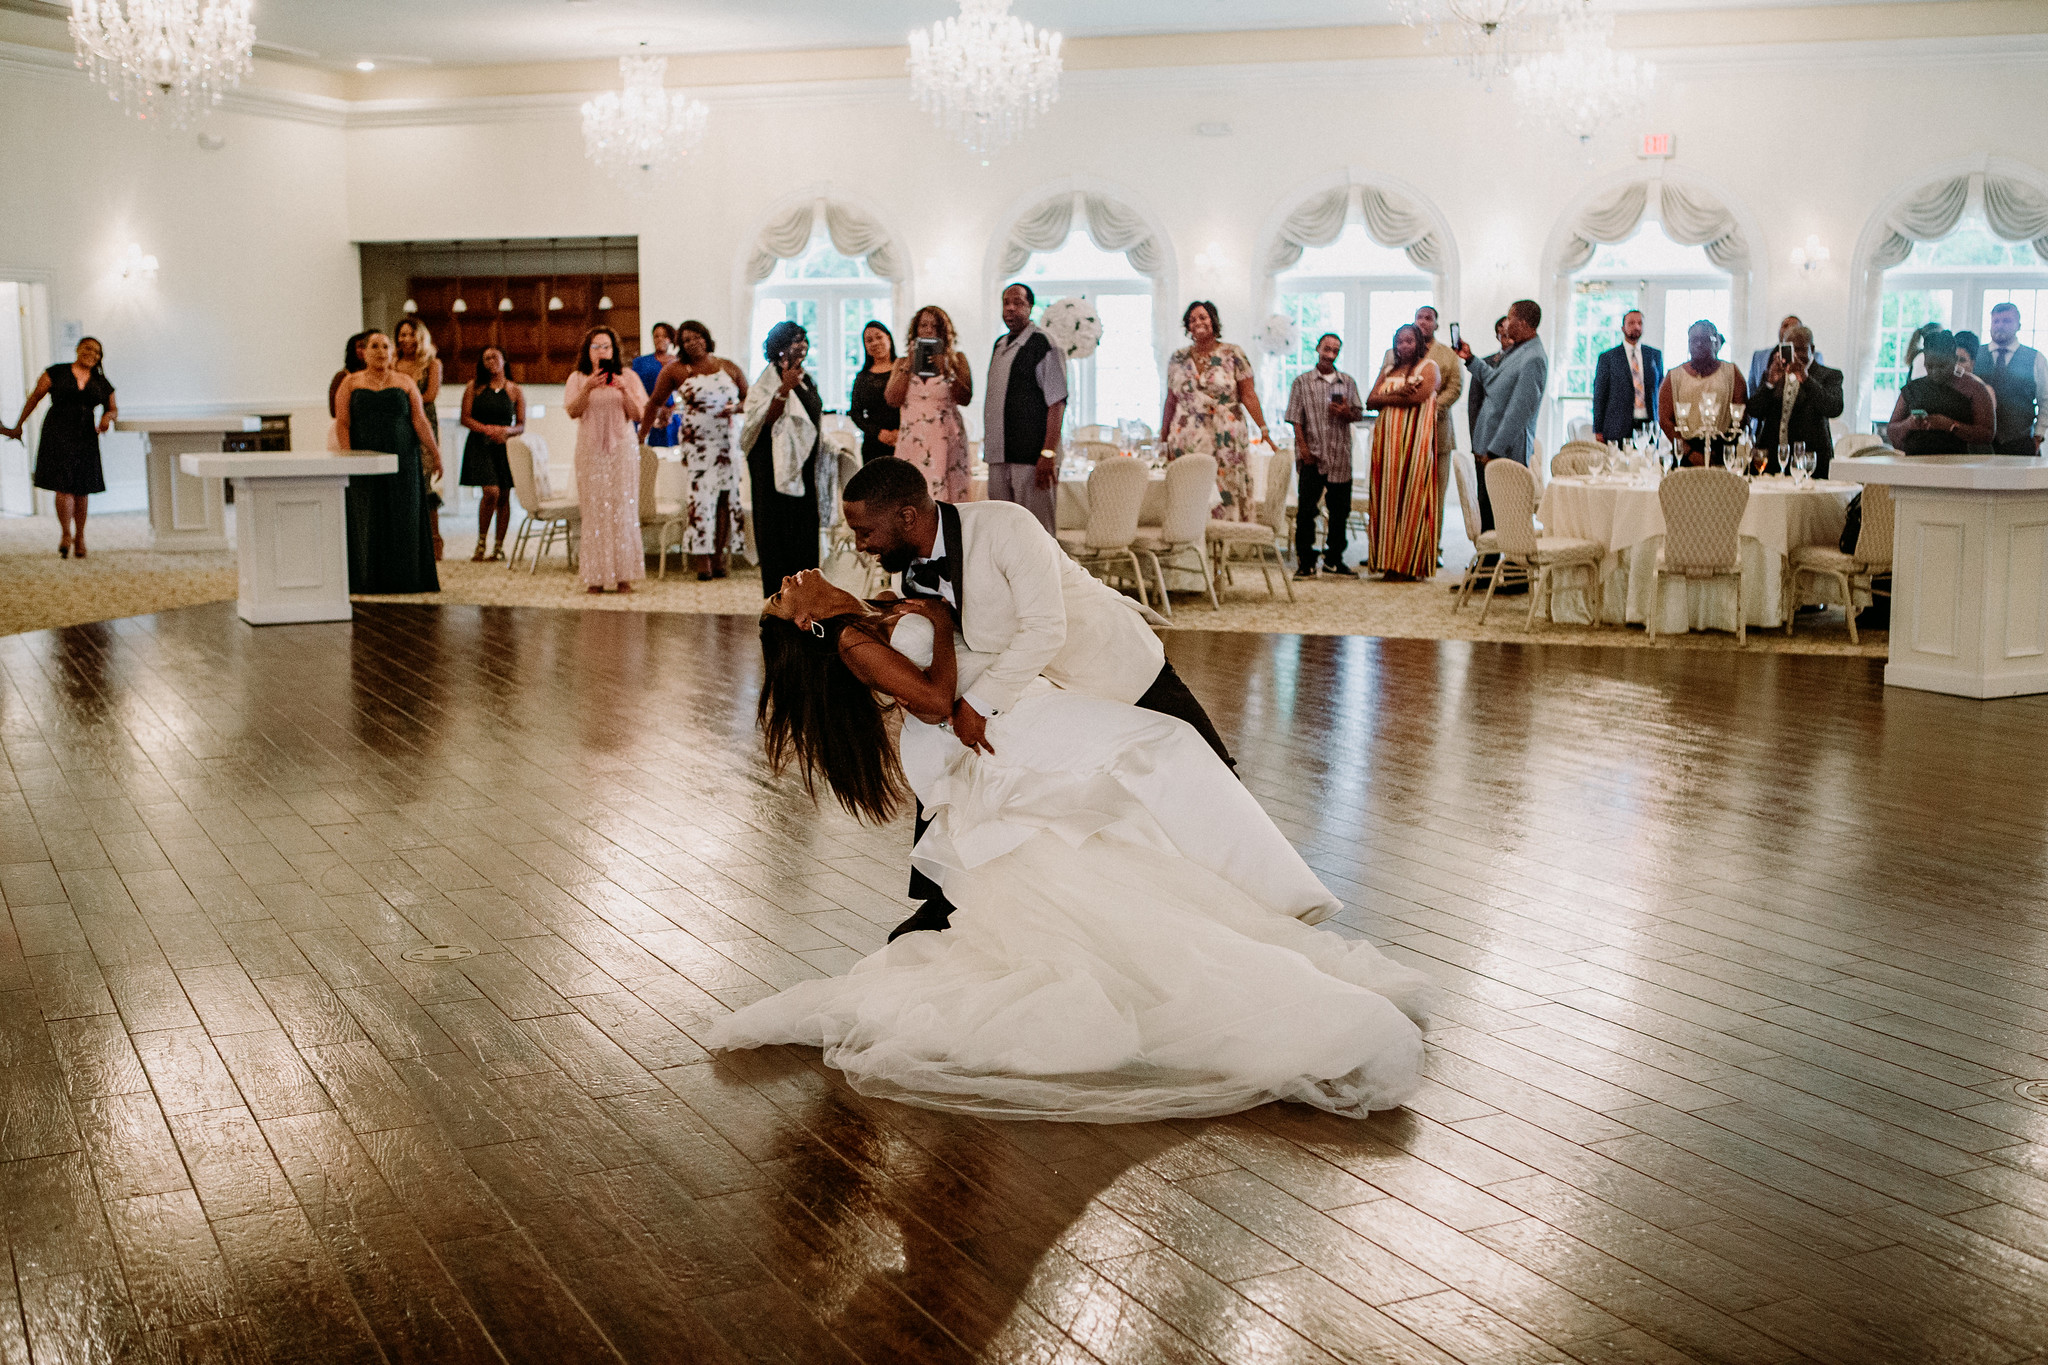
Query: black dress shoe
[[935, 914]]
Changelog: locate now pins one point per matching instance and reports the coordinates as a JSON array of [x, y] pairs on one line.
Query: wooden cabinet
[[540, 343]]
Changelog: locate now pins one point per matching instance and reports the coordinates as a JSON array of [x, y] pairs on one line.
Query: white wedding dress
[[1131, 939]]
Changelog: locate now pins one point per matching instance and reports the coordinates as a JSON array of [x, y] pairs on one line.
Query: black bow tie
[[927, 576]]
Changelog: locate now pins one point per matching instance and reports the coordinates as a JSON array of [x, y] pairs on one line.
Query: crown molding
[[20, 59]]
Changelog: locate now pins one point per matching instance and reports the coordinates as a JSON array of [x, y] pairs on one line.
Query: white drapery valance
[[2015, 211], [853, 234], [1112, 226], [1389, 220], [1691, 217]]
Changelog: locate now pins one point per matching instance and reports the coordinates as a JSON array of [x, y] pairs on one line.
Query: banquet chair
[[839, 546], [1578, 429], [1872, 560], [1577, 457], [545, 518], [1511, 488], [669, 518], [1702, 536], [1484, 543], [1858, 443], [1096, 451], [1095, 432], [1183, 527], [1116, 495], [1266, 538]]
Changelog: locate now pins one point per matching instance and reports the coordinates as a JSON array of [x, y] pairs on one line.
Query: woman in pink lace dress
[[606, 400], [932, 436]]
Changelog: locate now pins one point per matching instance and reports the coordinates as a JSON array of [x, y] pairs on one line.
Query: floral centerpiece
[[1073, 326]]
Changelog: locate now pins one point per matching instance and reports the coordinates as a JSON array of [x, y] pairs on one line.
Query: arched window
[[1121, 380], [1671, 284], [1954, 281], [1356, 288], [831, 296]]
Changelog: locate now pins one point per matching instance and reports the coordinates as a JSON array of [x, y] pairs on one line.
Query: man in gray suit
[[1514, 383]]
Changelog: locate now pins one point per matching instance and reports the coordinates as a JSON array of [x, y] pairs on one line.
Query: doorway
[[23, 354]]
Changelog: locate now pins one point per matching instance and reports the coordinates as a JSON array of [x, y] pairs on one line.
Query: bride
[[1132, 939]]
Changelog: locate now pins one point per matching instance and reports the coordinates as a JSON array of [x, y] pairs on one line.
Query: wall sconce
[[136, 266], [1810, 257]]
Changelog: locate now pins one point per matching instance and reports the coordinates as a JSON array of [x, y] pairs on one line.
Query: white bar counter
[[291, 528], [185, 513], [1969, 571]]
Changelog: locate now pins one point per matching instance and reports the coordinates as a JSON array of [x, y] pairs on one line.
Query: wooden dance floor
[[1743, 960]]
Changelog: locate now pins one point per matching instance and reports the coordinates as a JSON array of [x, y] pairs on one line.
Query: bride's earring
[[818, 629]]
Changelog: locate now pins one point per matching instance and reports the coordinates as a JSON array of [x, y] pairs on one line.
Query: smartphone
[[1785, 350], [925, 357], [1454, 336], [610, 365], [1917, 412]]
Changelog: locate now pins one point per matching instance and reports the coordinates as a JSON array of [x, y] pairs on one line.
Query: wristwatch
[[1048, 454]]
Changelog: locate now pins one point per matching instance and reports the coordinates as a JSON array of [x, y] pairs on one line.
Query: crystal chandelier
[[638, 132], [986, 75], [1488, 36], [1583, 84], [165, 58]]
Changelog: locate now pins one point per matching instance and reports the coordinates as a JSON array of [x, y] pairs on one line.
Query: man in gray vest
[[2018, 376], [1022, 409]]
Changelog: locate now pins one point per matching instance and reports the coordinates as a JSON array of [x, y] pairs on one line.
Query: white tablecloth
[[1628, 519]]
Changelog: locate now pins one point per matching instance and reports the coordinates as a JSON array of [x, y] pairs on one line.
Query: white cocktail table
[[185, 513], [1969, 571], [291, 528]]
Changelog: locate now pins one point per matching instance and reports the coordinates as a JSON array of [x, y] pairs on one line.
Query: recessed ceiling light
[[366, 66]]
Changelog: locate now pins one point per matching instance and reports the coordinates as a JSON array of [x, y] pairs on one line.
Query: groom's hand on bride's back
[[970, 729]]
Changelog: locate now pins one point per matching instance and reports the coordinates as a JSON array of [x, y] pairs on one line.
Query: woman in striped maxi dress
[[1406, 508]]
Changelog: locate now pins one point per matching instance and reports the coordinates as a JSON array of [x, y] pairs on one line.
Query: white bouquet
[[1073, 326], [1277, 335]]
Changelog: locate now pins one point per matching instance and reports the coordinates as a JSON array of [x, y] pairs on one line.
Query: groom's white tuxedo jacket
[[1024, 608]]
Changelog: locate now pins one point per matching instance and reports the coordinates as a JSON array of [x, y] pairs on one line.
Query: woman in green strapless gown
[[390, 543]]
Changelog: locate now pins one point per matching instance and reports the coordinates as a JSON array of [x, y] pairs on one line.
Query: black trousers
[[1167, 695], [1485, 502], [2018, 445], [785, 528], [1336, 497]]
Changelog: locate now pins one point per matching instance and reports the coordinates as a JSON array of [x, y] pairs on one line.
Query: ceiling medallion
[[165, 58], [642, 131], [985, 74]]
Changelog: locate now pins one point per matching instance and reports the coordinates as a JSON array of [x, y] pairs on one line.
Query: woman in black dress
[[493, 411], [1943, 412], [783, 402], [390, 537], [870, 410], [68, 456]]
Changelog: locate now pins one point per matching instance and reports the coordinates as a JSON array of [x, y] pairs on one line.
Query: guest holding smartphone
[[606, 400], [1795, 400], [928, 387], [779, 432]]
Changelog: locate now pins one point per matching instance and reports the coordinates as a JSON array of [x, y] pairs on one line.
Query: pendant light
[[411, 305], [505, 299], [461, 305], [554, 273], [604, 263]]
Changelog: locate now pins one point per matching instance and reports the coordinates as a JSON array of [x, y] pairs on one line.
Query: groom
[[1021, 608]]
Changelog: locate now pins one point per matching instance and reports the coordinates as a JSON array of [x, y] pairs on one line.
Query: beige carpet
[[121, 578]]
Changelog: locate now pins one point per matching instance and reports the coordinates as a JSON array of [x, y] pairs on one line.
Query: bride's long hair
[[819, 719]]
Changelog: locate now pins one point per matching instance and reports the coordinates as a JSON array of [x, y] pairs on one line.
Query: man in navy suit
[[1625, 382]]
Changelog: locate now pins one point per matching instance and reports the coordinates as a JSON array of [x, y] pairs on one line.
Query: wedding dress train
[[1132, 940]]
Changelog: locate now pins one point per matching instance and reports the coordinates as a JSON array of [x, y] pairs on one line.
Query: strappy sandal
[[478, 557]]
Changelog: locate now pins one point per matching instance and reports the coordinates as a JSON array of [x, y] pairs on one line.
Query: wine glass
[[1731, 458], [1803, 461]]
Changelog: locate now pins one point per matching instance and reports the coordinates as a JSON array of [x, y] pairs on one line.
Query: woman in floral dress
[[1208, 383], [932, 436], [607, 402], [709, 391]]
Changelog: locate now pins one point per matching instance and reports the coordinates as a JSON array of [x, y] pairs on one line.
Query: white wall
[[256, 287]]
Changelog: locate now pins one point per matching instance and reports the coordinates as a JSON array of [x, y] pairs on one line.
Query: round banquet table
[[1626, 517]]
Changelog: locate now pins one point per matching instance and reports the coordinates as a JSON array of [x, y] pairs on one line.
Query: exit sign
[[1656, 146]]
